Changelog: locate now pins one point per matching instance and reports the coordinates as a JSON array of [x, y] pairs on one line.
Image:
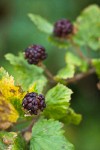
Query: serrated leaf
[[57, 101], [10, 100], [41, 23], [88, 28], [73, 62], [8, 114], [38, 86], [11, 141], [96, 64], [48, 135], [27, 74], [71, 117], [66, 72], [72, 59], [7, 86], [60, 43], [57, 105]]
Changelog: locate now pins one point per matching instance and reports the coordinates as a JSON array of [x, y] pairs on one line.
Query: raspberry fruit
[[34, 103], [35, 54], [62, 28]]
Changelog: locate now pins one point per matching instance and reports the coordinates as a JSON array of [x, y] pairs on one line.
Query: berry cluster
[[62, 28], [34, 103], [35, 54]]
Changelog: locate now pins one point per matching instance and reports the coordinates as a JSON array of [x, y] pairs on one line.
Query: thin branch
[[74, 79], [29, 128], [80, 76], [98, 85], [47, 72], [79, 52]]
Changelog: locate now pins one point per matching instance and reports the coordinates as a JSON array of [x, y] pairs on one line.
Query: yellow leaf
[[8, 114], [7, 87], [10, 94]]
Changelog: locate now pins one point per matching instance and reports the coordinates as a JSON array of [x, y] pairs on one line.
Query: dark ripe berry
[[34, 103], [35, 54], [62, 28]]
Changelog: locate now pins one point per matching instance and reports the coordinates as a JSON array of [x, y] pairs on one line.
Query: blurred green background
[[17, 32]]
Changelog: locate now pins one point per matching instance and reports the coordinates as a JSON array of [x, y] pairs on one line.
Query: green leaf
[[60, 43], [38, 86], [72, 59], [57, 101], [96, 64], [66, 72], [88, 28], [73, 64], [27, 74], [71, 117], [48, 135], [11, 140], [42, 24]]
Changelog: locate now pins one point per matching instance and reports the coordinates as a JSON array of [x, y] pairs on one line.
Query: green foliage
[[77, 62], [66, 72], [71, 117], [96, 64], [27, 74], [58, 101], [88, 19], [73, 64], [72, 59], [38, 86], [60, 43], [48, 135], [11, 140], [42, 24], [88, 28]]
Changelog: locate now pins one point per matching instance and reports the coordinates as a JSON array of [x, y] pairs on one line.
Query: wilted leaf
[[7, 86], [10, 100], [48, 135], [11, 141], [8, 114]]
